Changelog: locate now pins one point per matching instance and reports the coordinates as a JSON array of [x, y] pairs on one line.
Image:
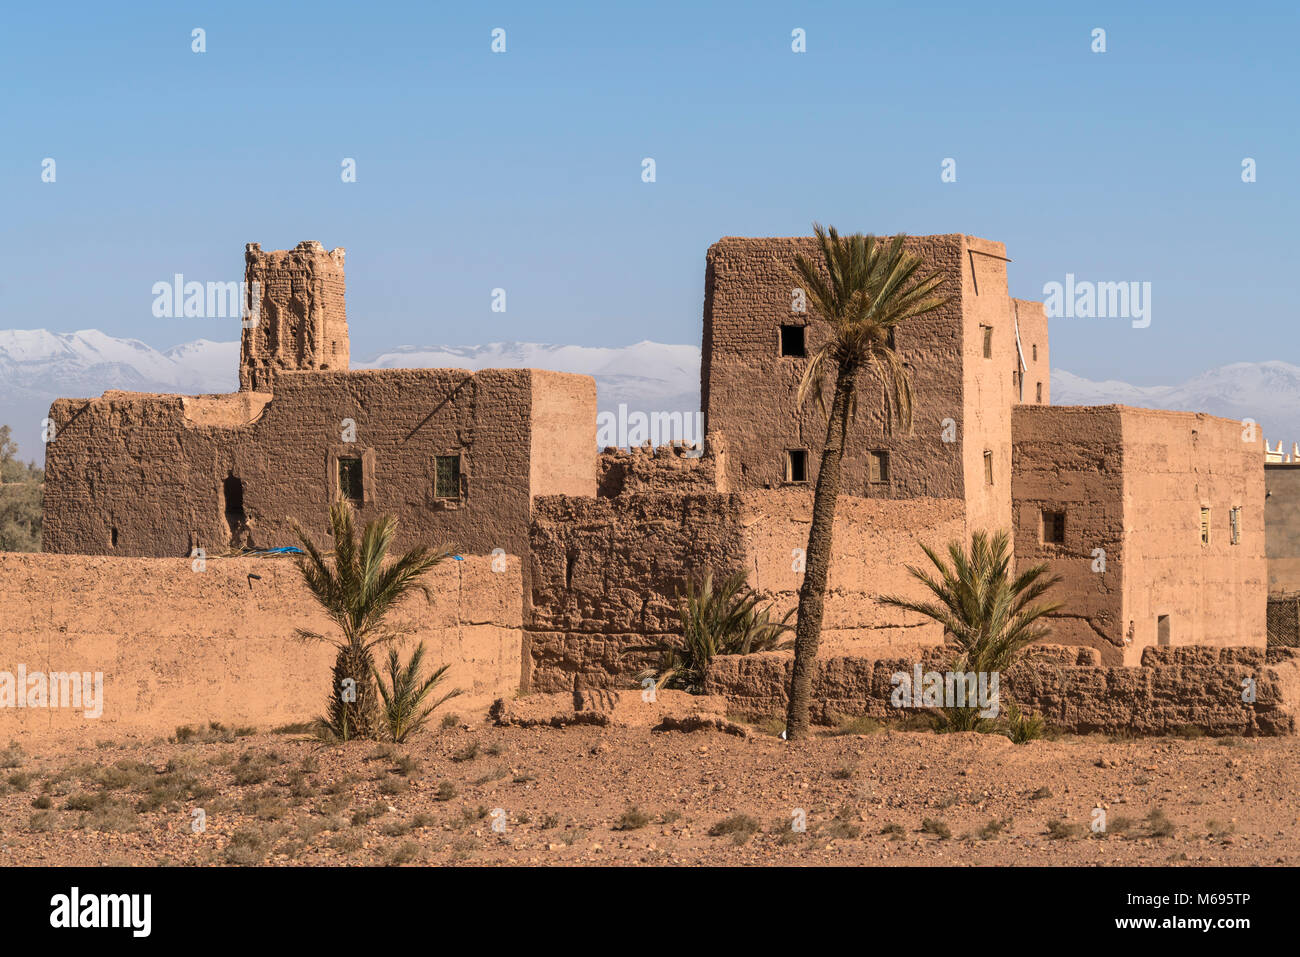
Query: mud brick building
[[1153, 519], [457, 456], [606, 541]]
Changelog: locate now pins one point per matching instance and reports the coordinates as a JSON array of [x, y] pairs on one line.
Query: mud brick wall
[[748, 389], [178, 646], [302, 322], [1132, 482], [874, 542], [607, 575], [1175, 464], [1282, 526], [1070, 458], [668, 468], [143, 475], [1173, 688]]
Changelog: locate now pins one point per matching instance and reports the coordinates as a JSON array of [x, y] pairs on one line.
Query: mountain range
[[37, 366]]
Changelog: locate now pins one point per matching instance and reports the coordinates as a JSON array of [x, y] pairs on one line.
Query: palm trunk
[[812, 593], [353, 719]]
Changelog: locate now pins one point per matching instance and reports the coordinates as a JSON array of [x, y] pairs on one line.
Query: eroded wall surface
[[302, 323], [609, 574], [178, 646], [1169, 690]]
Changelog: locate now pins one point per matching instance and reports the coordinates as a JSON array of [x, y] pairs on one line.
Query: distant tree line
[[21, 487]]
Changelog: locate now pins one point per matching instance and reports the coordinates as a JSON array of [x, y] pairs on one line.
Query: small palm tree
[[357, 589], [863, 289], [986, 610], [404, 710], [722, 621]]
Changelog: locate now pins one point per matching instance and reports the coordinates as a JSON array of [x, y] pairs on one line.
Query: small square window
[[350, 482], [796, 465], [878, 468], [446, 479], [793, 341], [1053, 527], [1234, 518], [988, 468], [987, 332], [1205, 526]]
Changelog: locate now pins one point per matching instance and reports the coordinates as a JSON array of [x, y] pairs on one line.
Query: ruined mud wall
[[1282, 527], [668, 468], [1070, 458], [177, 646], [301, 320], [1175, 464], [606, 576], [1172, 689], [141, 475]]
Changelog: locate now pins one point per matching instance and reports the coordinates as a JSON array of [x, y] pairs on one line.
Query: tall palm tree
[[989, 613], [862, 288], [357, 587]]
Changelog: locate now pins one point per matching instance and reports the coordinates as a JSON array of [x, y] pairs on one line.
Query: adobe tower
[[302, 323]]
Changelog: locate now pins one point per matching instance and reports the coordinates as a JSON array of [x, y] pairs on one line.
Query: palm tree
[[404, 710], [721, 620], [985, 610], [862, 288], [357, 589]]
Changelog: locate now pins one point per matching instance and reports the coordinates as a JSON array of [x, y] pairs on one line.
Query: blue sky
[[522, 170]]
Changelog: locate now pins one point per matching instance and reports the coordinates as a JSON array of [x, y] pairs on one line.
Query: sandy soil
[[589, 795]]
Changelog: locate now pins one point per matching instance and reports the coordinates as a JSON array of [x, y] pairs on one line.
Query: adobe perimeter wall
[[177, 646], [1171, 689], [608, 574]]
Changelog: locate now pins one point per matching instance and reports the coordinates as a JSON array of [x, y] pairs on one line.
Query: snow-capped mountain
[[1267, 392], [37, 367]]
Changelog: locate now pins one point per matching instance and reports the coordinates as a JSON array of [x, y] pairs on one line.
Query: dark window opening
[[1162, 631], [793, 342], [1035, 348], [988, 341], [1054, 527], [878, 468], [796, 465], [113, 537], [446, 479], [988, 468], [1205, 526], [1038, 396], [232, 494], [351, 484]]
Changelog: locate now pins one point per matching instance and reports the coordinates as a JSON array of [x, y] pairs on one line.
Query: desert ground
[[465, 792]]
